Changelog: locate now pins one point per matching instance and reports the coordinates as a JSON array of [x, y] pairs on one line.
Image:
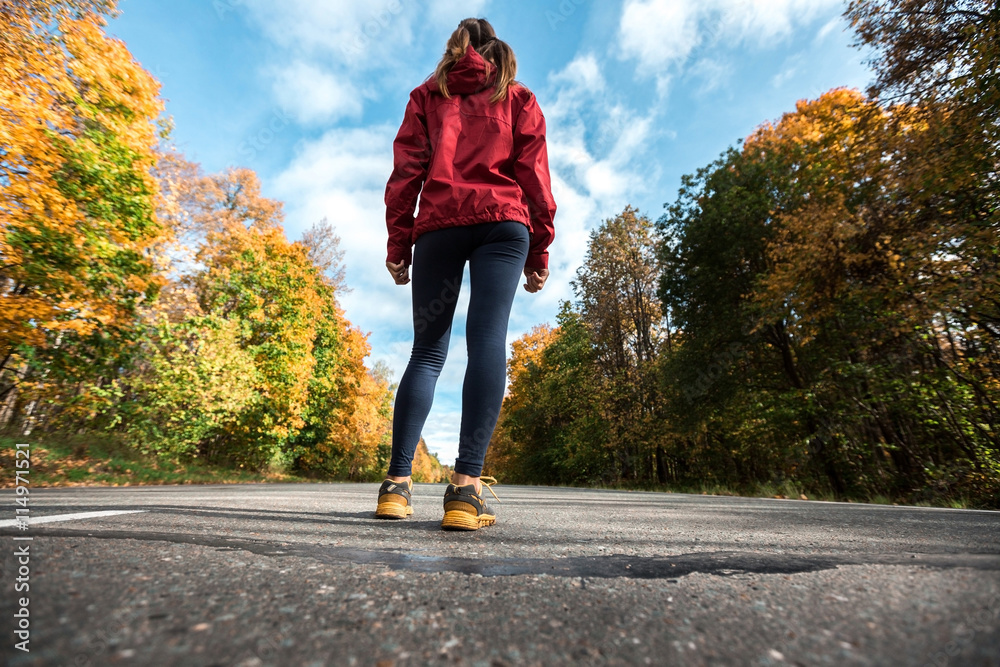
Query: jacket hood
[[470, 74]]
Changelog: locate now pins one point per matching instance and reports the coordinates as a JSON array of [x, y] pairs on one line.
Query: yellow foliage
[[56, 91], [363, 422], [526, 351], [427, 469]]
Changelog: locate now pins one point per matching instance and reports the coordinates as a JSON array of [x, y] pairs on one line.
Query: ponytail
[[479, 34]]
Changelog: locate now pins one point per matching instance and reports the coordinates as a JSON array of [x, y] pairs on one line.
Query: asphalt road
[[304, 575]]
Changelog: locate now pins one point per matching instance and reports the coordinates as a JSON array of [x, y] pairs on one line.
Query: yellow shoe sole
[[392, 511], [459, 520]]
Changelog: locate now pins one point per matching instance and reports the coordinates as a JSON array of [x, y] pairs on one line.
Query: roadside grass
[[784, 490], [788, 490], [88, 460]]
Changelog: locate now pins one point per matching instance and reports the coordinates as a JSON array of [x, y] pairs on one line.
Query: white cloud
[[327, 48], [334, 48], [788, 71], [441, 435], [356, 161], [582, 74], [659, 33], [829, 27], [312, 95], [662, 34], [342, 177], [763, 22], [595, 144], [593, 139], [713, 74], [358, 33], [366, 35]]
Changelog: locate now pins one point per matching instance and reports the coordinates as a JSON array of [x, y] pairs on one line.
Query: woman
[[472, 147]]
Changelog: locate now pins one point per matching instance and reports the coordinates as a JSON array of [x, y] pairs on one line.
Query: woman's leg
[[495, 267], [438, 263]]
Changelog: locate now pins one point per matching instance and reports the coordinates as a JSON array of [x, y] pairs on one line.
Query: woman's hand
[[536, 279], [400, 272]]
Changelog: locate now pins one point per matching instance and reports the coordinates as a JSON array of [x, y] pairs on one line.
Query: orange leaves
[[77, 122], [835, 155], [317, 401], [426, 467], [528, 349], [851, 213], [115, 91], [527, 352], [830, 122], [364, 407], [246, 348]]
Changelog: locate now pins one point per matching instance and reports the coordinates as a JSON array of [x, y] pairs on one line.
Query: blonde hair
[[479, 34]]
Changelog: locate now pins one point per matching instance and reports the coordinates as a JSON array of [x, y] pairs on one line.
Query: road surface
[[258, 575]]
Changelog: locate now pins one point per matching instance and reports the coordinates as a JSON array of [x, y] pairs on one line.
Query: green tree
[[616, 288], [78, 121], [803, 265], [553, 426], [253, 276], [190, 384], [714, 249]]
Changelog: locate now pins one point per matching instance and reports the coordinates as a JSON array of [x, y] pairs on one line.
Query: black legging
[[496, 252]]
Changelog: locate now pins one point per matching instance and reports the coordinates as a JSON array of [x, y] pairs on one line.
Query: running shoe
[[394, 500], [464, 509]]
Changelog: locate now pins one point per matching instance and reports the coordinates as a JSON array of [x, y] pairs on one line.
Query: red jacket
[[475, 161]]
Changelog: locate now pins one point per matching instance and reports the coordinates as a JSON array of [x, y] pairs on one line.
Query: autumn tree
[[616, 287], [554, 425], [252, 275], [345, 431], [713, 250], [943, 59], [323, 245], [511, 441], [142, 295], [808, 265], [77, 198], [933, 50], [427, 469], [246, 358]]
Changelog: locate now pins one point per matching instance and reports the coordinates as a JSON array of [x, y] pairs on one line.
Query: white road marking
[[68, 517]]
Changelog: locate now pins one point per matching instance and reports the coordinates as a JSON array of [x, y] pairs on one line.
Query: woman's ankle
[[398, 480], [458, 479]]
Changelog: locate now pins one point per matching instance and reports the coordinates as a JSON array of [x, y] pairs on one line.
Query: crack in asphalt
[[720, 563]]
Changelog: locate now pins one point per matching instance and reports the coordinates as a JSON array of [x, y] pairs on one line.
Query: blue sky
[[636, 93]]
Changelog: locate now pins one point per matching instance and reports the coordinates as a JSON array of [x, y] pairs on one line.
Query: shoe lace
[[488, 482]]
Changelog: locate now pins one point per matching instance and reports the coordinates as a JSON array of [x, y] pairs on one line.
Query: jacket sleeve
[[411, 154], [531, 170]]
